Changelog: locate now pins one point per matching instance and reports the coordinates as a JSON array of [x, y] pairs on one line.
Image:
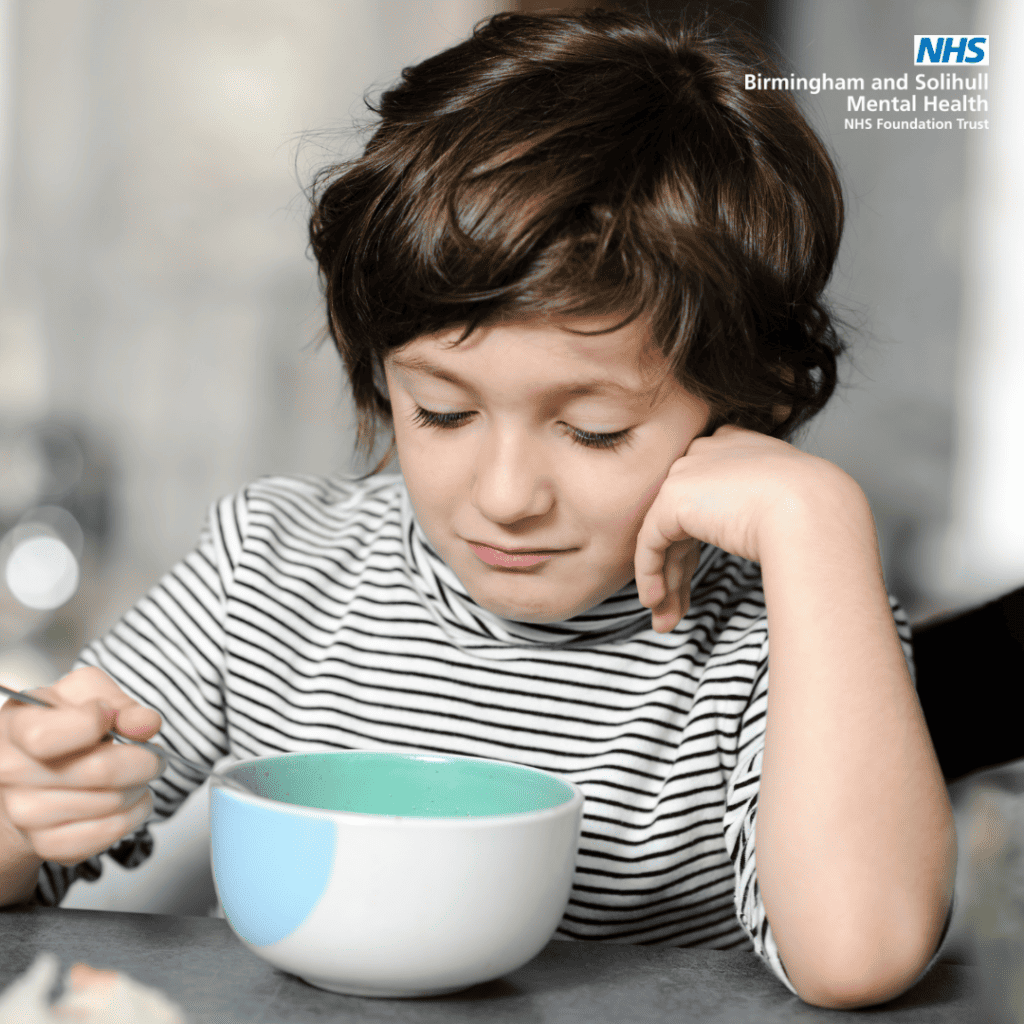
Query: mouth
[[510, 559]]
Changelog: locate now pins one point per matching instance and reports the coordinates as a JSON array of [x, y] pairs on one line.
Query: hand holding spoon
[[167, 755]]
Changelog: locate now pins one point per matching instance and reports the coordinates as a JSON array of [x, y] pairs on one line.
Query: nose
[[512, 479]]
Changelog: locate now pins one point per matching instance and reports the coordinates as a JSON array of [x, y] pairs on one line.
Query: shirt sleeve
[[168, 653], [740, 822], [906, 638]]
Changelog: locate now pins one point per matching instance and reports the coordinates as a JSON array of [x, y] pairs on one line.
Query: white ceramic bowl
[[382, 873]]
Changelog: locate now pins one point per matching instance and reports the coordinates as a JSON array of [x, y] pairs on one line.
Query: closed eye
[[453, 420]]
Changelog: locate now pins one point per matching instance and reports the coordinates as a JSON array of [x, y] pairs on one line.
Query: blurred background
[[158, 308]]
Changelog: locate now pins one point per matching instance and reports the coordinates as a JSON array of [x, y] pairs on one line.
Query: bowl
[[393, 874]]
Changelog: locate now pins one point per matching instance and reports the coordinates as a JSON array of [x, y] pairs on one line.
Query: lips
[[493, 556], [515, 551]]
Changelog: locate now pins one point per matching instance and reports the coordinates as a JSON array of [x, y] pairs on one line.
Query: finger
[[138, 722], [691, 562], [87, 686], [33, 810], [76, 841], [89, 683], [648, 572], [681, 563], [60, 731], [692, 565], [664, 614], [652, 592], [684, 598], [106, 766], [649, 561], [659, 532], [673, 578]]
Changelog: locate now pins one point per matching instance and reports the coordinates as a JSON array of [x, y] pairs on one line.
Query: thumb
[[90, 685], [137, 722]]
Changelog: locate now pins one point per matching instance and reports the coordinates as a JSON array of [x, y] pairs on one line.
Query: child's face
[[511, 475]]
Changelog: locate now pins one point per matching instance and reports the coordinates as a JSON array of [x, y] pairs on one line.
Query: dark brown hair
[[591, 163]]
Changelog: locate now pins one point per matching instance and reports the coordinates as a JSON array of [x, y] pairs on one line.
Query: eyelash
[[452, 420]]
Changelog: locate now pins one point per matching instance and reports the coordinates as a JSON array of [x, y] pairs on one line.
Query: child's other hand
[[727, 490]]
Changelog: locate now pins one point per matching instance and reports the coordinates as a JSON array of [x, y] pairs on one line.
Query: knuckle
[[22, 732], [85, 684], [49, 735], [95, 771], [17, 804]]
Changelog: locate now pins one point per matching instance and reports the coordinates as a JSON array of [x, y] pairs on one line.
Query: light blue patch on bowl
[[271, 867]]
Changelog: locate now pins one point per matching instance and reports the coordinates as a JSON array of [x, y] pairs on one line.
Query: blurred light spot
[[42, 572], [59, 521], [24, 667]]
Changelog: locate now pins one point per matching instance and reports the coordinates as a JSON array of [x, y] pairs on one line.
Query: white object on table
[[26, 1000]]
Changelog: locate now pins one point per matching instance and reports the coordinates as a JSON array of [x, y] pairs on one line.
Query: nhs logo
[[951, 50]]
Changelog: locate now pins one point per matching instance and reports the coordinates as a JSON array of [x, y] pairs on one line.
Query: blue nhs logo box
[[971, 50]]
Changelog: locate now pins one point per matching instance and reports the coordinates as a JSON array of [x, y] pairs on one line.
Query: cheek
[[415, 442], [629, 515]]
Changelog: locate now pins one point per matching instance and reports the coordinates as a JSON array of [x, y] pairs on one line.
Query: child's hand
[[66, 792], [726, 490]]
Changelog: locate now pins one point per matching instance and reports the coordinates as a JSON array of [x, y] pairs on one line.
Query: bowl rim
[[367, 818]]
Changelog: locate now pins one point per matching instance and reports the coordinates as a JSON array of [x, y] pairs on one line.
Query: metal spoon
[[168, 755]]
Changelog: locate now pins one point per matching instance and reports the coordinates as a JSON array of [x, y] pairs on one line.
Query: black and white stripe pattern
[[314, 613]]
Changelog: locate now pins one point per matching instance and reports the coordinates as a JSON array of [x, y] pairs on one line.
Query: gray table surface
[[199, 963]]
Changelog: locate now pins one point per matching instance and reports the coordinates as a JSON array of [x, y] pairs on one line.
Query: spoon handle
[[167, 755]]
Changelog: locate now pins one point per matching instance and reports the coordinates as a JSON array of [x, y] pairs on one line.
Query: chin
[[538, 618], [530, 616]]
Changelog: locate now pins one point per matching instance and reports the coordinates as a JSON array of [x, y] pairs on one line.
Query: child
[[579, 269]]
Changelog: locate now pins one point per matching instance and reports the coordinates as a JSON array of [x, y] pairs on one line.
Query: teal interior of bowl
[[406, 785]]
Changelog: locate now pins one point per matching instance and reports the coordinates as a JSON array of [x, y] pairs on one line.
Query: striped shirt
[[314, 613]]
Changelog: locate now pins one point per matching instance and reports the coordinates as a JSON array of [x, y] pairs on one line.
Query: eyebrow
[[594, 386]]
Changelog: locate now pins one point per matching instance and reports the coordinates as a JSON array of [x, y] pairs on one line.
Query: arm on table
[[855, 838]]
